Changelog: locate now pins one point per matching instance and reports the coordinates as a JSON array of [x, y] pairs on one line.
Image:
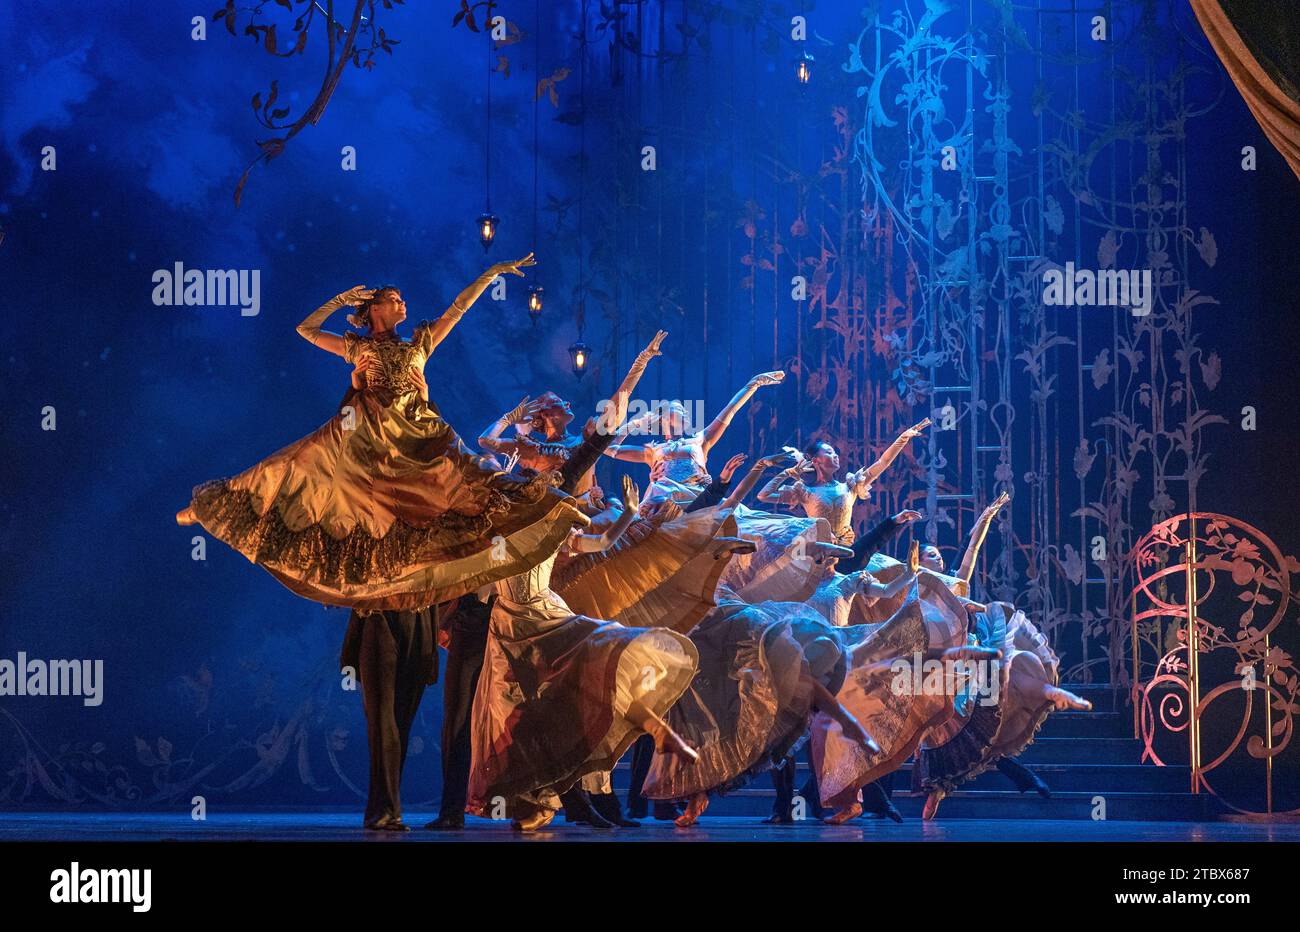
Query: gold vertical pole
[[1268, 732], [1137, 669], [1193, 662]]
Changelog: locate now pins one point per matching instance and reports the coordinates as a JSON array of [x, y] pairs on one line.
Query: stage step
[[1088, 725], [1082, 756]]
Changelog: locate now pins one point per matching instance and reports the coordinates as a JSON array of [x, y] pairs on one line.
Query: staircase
[[1080, 755]]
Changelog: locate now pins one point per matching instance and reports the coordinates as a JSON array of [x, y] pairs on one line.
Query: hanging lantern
[[804, 69], [535, 293], [487, 229], [580, 353]]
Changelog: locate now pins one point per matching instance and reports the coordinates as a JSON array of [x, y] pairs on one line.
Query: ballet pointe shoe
[[694, 809], [186, 516], [666, 740], [846, 814], [932, 805], [534, 821], [670, 742], [1063, 699], [821, 551]]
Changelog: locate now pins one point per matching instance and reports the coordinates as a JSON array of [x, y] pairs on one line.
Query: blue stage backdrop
[[888, 232]]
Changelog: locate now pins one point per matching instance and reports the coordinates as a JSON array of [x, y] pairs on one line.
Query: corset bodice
[[534, 584], [680, 460], [396, 362], [834, 502]]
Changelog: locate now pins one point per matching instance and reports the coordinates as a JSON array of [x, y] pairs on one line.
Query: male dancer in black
[[394, 655], [466, 628]]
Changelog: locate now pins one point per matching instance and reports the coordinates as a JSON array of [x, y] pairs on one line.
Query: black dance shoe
[[1036, 783], [447, 822], [638, 807], [606, 804], [665, 810], [1024, 778], [877, 804], [578, 809]]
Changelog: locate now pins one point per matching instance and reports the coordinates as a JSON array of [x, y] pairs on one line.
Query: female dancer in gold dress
[[563, 695], [679, 462], [384, 507]]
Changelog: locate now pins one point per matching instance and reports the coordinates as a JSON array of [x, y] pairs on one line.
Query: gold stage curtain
[[1256, 48]]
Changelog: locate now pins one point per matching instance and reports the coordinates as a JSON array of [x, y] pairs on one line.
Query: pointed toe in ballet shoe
[[388, 825], [820, 552], [845, 815], [932, 806], [1064, 700], [694, 809], [534, 821], [669, 742]]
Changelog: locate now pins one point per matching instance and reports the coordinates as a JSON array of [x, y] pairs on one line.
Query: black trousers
[[783, 782], [395, 655], [643, 752], [468, 640]]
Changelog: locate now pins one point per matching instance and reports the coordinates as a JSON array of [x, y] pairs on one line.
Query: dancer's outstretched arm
[[310, 329], [868, 544], [751, 478], [491, 438], [589, 543], [713, 433], [873, 589], [863, 480], [717, 489], [977, 535], [786, 488], [601, 432], [614, 410], [465, 300]]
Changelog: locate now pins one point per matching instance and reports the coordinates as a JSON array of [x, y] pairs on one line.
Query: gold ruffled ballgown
[[555, 689], [663, 571], [384, 507], [926, 616]]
